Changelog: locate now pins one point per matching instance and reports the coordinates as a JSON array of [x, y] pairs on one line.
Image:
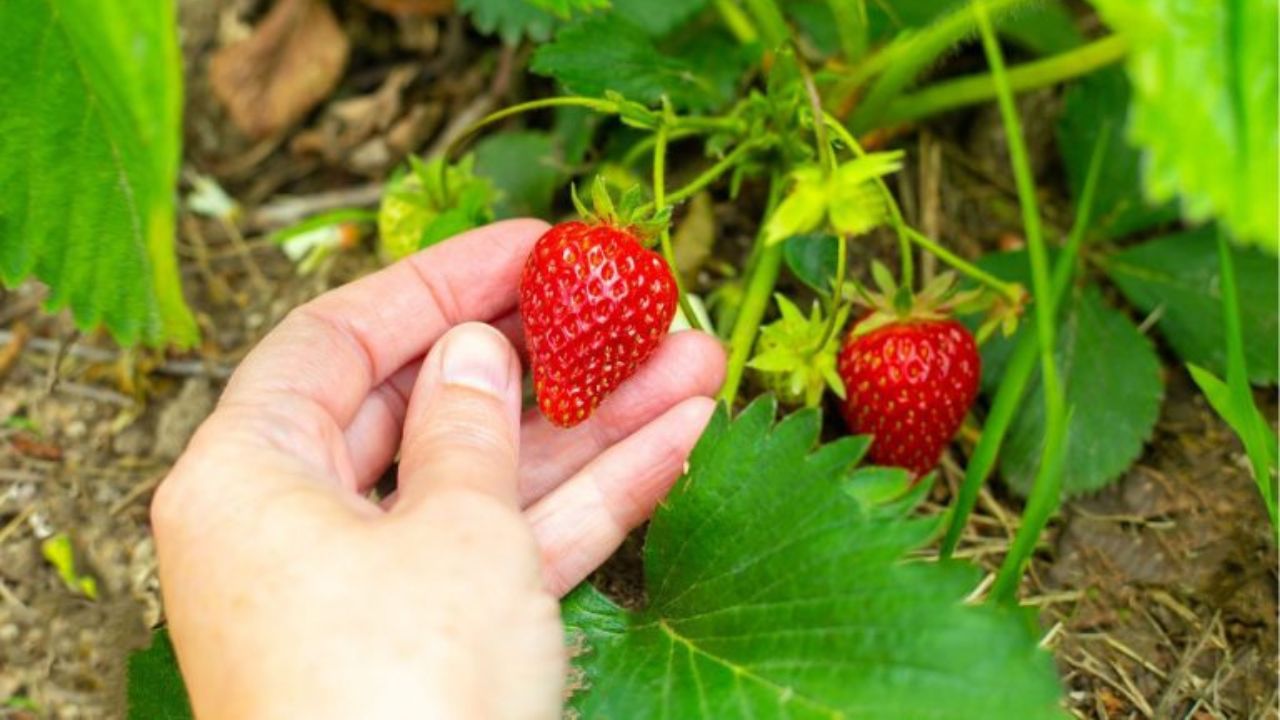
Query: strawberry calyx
[[630, 213], [796, 356], [891, 304]]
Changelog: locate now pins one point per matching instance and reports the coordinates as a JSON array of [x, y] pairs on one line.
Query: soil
[[1159, 593]]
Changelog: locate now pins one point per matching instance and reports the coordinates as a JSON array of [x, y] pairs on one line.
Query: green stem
[[772, 24], [764, 275], [974, 89], [1008, 290], [664, 237], [701, 124], [713, 173], [740, 26], [708, 176], [902, 61], [1017, 372], [690, 124], [907, 278], [1252, 430], [1046, 491], [607, 107], [644, 145], [851, 25], [826, 155], [833, 306]]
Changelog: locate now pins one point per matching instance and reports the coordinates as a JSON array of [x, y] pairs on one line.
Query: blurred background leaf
[[1178, 278], [1204, 110], [1111, 375], [1098, 101]]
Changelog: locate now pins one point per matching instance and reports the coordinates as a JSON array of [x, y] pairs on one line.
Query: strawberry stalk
[[762, 277], [739, 25], [711, 174], [1011, 291], [664, 235], [833, 312], [828, 162], [907, 234], [895, 213], [770, 20]]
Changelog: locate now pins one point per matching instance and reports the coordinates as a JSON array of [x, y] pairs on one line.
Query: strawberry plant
[[781, 577]]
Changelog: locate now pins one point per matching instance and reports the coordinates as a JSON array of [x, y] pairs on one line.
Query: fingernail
[[478, 357]]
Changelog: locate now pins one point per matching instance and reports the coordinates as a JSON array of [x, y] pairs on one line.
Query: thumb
[[462, 426]]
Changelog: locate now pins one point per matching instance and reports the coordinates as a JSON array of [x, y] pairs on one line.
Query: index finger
[[335, 349]]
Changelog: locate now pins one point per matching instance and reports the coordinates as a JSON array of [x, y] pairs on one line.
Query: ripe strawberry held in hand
[[595, 305], [909, 379]]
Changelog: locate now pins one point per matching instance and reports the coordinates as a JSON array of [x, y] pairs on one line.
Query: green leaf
[[606, 53], [565, 8], [156, 691], [848, 198], [720, 59], [1045, 28], [857, 204], [89, 153], [812, 259], [1098, 101], [1178, 276], [1219, 152], [804, 207], [772, 592], [1111, 376], [815, 20], [1219, 396], [658, 18], [525, 167], [512, 20]]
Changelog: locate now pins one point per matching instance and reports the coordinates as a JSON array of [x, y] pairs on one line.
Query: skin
[[290, 594]]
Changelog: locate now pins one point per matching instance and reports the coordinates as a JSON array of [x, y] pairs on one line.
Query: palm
[[264, 527]]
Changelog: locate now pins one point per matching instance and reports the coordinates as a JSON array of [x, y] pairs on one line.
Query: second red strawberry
[[909, 383]]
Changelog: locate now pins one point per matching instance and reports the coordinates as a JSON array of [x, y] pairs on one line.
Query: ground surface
[[1160, 591]]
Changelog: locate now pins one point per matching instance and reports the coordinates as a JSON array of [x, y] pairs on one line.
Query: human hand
[[290, 594]]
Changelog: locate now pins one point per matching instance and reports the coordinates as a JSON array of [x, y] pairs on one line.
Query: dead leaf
[[29, 445], [414, 128], [370, 133], [12, 350], [412, 7], [292, 61], [694, 236]]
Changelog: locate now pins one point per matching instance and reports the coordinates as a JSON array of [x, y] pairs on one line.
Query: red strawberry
[[909, 383], [595, 305]]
